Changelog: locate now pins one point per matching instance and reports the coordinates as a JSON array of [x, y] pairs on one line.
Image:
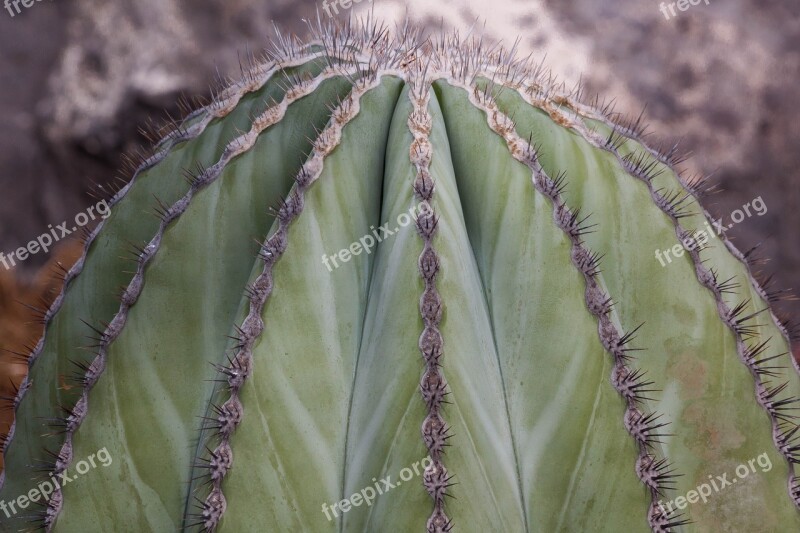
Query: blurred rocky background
[[78, 78]]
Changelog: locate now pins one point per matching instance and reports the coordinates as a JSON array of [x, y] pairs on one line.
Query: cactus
[[487, 315]]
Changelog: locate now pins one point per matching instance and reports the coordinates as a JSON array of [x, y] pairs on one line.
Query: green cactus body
[[477, 342]]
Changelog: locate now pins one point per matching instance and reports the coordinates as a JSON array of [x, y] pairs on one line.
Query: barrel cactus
[[406, 284]]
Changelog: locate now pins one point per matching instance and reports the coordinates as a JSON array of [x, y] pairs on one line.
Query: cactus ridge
[[698, 187], [179, 132], [737, 318], [740, 322], [364, 55], [433, 387], [655, 473], [201, 178], [230, 413]]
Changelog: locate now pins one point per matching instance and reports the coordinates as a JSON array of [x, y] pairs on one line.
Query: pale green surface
[[716, 255], [481, 456], [387, 411], [690, 353], [160, 361], [290, 446], [385, 433], [568, 443], [93, 297]]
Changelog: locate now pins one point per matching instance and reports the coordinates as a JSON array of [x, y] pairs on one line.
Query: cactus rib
[[734, 318], [654, 473], [218, 109], [230, 413], [435, 430], [236, 147]]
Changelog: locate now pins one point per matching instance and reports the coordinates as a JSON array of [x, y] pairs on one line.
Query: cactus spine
[[527, 286]]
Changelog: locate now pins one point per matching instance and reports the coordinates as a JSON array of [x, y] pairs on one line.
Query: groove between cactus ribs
[[632, 130], [230, 414], [255, 78], [433, 387], [783, 436], [233, 149], [655, 473], [443, 75], [334, 50], [691, 187], [285, 54]]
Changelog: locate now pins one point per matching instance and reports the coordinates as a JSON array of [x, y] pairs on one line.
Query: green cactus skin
[[550, 392]]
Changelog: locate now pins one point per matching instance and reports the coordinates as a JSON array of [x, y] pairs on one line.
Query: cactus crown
[[487, 314]]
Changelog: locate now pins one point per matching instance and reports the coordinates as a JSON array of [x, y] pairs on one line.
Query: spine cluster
[[433, 386], [189, 128], [675, 204], [229, 415], [646, 428], [94, 370]]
